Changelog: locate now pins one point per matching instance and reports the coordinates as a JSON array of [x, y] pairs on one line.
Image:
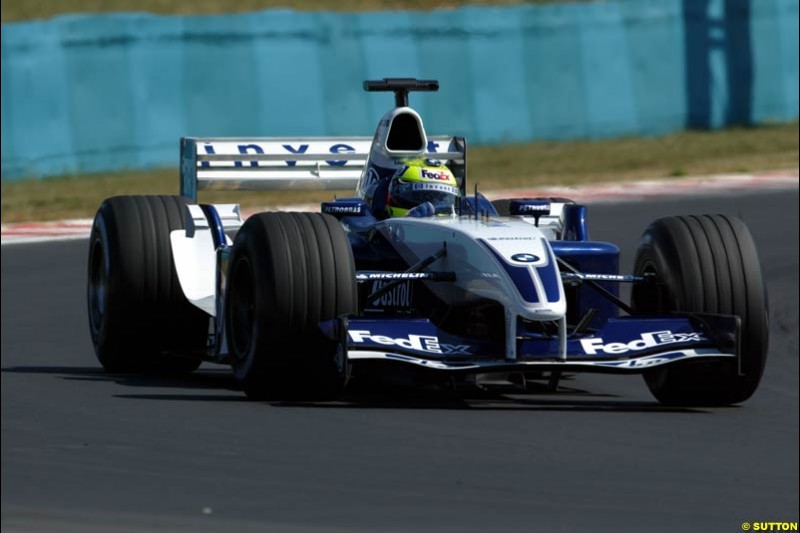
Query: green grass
[[16, 10], [494, 167]]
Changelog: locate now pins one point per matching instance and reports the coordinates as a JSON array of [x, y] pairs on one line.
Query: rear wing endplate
[[287, 163]]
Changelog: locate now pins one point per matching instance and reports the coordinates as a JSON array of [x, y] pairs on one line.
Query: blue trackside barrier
[[91, 93]]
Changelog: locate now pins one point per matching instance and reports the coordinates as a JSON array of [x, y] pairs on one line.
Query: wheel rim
[[98, 286], [242, 308]]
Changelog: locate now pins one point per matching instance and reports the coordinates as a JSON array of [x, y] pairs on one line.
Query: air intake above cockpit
[[405, 134]]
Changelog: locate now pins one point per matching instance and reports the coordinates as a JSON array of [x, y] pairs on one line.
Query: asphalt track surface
[[87, 451]]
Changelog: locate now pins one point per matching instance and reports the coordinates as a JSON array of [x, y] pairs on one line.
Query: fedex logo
[[646, 340], [435, 174], [421, 343]]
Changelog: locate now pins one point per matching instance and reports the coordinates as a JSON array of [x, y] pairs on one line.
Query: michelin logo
[[646, 340], [420, 343], [366, 276]]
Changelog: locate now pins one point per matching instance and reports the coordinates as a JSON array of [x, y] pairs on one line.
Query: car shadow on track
[[362, 394], [532, 398], [204, 379]]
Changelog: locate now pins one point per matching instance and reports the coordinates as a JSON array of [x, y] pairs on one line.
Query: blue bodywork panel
[[597, 258]]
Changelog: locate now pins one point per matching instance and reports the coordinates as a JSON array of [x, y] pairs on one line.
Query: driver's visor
[[409, 194]]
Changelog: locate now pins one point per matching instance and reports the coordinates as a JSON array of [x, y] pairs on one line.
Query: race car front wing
[[621, 345]]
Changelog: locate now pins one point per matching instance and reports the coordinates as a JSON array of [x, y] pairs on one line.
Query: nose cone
[[533, 271]]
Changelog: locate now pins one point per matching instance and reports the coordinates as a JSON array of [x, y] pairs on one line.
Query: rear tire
[[139, 319], [288, 272], [706, 264]]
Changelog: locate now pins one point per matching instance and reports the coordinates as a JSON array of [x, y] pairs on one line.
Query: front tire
[[139, 319], [288, 272], [705, 264]]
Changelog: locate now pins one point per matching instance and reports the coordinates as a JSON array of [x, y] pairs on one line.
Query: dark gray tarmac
[[87, 451]]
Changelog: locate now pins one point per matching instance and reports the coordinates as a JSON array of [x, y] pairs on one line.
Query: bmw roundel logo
[[525, 258]]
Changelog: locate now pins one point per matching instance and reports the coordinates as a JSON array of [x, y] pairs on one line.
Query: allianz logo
[[645, 340]]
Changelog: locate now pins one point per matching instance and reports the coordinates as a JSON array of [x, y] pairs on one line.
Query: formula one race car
[[412, 274]]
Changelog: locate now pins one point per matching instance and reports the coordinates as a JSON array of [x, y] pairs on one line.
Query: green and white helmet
[[420, 181]]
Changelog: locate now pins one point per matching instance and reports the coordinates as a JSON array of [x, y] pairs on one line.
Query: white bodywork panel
[[195, 257], [195, 263], [229, 216], [474, 249]]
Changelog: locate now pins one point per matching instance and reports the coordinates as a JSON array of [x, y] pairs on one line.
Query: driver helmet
[[420, 181]]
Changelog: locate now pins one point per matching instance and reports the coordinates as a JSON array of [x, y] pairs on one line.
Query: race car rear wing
[[286, 163]]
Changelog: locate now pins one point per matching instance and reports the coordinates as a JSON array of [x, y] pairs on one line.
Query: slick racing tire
[[705, 264], [503, 206], [139, 319], [287, 273]]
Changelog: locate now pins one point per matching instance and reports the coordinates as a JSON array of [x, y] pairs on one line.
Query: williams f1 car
[[296, 302]]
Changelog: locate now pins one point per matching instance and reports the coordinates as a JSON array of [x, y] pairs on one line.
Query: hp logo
[[525, 258]]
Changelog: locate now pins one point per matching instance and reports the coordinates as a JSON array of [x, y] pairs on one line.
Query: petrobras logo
[[645, 341], [420, 343], [529, 207], [436, 174], [342, 209], [534, 208]]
